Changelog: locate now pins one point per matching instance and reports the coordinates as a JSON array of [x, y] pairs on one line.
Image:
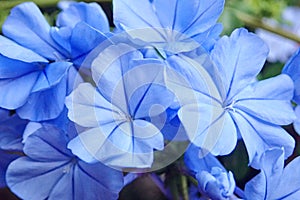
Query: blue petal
[[90, 13], [46, 104], [197, 160], [11, 132], [15, 92], [24, 176], [238, 64], [5, 160], [260, 136], [53, 142], [290, 175], [292, 69], [297, 121], [83, 45], [51, 76], [209, 127], [265, 184], [262, 100], [89, 109], [129, 145], [35, 30], [201, 16]]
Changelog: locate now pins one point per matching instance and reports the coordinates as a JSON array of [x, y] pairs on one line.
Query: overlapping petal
[[166, 24], [35, 30], [61, 173], [90, 13]]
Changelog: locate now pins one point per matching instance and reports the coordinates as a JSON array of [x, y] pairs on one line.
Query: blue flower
[[38, 63], [173, 26], [231, 101], [213, 179], [130, 91], [48, 163], [274, 181]]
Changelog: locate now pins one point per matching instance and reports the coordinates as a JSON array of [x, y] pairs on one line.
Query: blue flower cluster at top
[[80, 104]]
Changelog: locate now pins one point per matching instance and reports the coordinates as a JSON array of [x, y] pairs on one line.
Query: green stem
[[257, 23], [174, 188], [184, 186]]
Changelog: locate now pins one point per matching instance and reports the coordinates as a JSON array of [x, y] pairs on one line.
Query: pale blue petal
[[202, 15], [260, 136], [128, 145], [132, 14], [262, 99], [235, 63], [90, 13], [110, 65], [89, 109], [15, 92], [46, 104], [209, 127], [12, 50], [35, 30], [289, 185], [265, 184]]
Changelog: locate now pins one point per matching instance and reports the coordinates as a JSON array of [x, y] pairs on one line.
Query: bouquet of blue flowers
[[87, 110]]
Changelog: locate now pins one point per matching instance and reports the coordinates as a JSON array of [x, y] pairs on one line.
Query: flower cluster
[[82, 105]]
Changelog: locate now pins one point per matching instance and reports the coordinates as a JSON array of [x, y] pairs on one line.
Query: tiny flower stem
[[184, 187], [254, 22]]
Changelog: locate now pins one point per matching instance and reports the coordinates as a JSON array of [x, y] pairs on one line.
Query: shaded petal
[[297, 121], [11, 132], [46, 104], [47, 144], [262, 100], [90, 13], [5, 160], [292, 69], [51, 75], [197, 160], [83, 45], [24, 176], [35, 30], [235, 63], [260, 136], [15, 92]]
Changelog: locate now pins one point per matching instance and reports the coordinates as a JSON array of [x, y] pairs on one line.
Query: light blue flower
[[231, 101], [50, 171], [130, 92], [213, 179], [274, 181], [172, 26]]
